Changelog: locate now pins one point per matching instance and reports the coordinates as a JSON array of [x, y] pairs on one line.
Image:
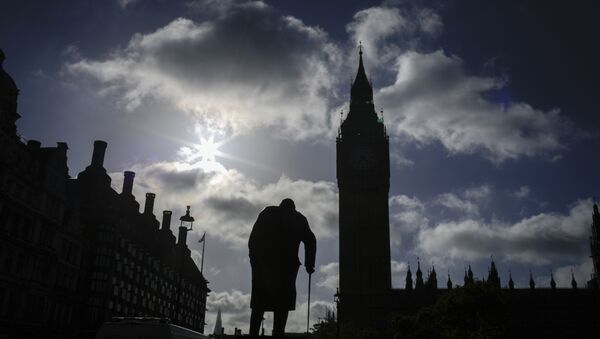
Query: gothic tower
[[363, 173]]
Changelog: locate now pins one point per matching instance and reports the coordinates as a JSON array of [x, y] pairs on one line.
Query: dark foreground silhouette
[[273, 245]]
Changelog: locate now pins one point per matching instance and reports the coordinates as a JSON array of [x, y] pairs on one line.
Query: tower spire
[[531, 281], [419, 284], [362, 91], [409, 281]]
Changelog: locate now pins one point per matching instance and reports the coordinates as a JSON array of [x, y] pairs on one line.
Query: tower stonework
[[363, 174]]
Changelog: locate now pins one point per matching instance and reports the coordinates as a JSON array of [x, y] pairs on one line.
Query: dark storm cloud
[[250, 66], [247, 68], [234, 208], [174, 180], [258, 47]]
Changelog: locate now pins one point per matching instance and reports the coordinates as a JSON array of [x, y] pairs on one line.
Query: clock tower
[[363, 174]]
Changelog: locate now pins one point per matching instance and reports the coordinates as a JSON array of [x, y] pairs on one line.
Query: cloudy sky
[[230, 106]]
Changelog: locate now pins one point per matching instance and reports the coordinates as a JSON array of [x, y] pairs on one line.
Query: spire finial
[[360, 48]]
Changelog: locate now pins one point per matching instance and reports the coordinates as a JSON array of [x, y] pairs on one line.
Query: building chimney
[[62, 148], [166, 220], [181, 240], [98, 155], [149, 206], [34, 144], [128, 182]]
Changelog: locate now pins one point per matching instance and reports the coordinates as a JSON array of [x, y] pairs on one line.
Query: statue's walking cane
[[308, 312]]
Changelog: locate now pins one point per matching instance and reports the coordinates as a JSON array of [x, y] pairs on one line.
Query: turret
[[552, 282], [493, 277], [468, 279], [531, 281], [511, 283], [432, 279], [573, 281], [419, 283], [449, 282], [409, 281]]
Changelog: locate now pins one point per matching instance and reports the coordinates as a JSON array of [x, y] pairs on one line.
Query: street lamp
[[187, 221]]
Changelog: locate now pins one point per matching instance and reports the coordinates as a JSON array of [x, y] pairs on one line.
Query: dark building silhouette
[[74, 252], [366, 298]]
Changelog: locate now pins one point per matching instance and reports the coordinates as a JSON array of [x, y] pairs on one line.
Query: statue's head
[[288, 203]]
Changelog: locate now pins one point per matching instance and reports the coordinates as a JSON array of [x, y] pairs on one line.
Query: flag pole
[[203, 245]]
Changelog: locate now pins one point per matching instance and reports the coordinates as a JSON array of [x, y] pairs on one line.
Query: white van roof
[[145, 328]]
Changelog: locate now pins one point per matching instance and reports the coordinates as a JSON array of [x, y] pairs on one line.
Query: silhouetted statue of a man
[[274, 243]]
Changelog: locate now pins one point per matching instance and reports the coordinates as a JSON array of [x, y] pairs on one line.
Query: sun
[[207, 150], [205, 155]]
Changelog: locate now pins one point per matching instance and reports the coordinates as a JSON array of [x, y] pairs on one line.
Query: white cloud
[[582, 273], [479, 193], [376, 25], [228, 202], [329, 276], [452, 201], [125, 3], [399, 274], [371, 26], [429, 21], [234, 306], [537, 240], [249, 68], [467, 202], [407, 215], [522, 192], [433, 99]]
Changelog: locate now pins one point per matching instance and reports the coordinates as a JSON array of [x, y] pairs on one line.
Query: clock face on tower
[[363, 159]]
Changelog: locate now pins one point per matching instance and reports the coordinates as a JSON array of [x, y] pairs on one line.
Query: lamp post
[[186, 224]]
